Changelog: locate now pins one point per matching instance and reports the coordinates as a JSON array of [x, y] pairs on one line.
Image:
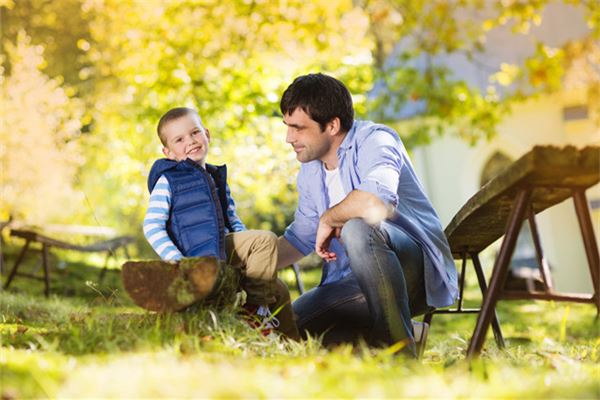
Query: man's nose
[[289, 137]]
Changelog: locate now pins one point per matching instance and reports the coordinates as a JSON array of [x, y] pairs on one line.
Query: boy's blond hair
[[174, 114]]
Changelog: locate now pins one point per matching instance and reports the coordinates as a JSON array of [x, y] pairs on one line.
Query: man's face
[[306, 137], [185, 137]]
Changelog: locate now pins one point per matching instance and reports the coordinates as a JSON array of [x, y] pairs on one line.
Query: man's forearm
[[358, 204]]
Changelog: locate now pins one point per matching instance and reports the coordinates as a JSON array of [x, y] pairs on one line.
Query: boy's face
[[185, 137]]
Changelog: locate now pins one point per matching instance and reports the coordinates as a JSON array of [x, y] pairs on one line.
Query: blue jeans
[[377, 299]]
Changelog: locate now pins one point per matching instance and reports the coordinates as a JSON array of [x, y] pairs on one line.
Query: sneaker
[[165, 286], [420, 332], [260, 317]]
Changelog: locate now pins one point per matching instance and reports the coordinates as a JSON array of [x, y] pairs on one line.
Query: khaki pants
[[254, 253]]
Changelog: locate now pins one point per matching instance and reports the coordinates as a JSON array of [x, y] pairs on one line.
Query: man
[[363, 210]]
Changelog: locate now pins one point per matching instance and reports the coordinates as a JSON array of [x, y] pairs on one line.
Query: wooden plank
[[553, 172], [106, 245], [84, 230]]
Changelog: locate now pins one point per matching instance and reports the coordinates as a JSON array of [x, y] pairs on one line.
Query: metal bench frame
[[540, 179], [523, 208], [31, 237]]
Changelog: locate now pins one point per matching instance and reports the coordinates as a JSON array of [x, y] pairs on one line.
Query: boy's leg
[[254, 252], [285, 314]]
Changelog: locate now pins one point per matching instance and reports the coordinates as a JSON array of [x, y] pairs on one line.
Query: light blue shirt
[[373, 159]]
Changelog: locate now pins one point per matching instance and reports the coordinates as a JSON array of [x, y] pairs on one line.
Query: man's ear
[[334, 126]]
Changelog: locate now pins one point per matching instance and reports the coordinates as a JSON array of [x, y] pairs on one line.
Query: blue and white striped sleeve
[[236, 223], [155, 222]]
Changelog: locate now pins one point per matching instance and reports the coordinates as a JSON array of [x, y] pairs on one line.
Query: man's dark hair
[[321, 97], [169, 116]]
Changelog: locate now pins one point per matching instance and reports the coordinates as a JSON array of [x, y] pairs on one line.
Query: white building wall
[[451, 172]]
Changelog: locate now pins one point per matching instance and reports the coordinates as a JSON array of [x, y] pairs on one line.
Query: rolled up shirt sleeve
[[301, 233], [379, 165]]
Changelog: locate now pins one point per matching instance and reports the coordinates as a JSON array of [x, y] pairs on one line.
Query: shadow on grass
[[552, 349], [85, 316]]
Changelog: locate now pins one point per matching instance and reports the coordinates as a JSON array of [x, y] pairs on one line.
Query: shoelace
[[269, 320]]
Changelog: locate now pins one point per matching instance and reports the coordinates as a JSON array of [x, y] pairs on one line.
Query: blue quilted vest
[[198, 197]]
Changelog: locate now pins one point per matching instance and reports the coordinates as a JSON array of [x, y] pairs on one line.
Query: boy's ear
[[167, 153], [207, 133]]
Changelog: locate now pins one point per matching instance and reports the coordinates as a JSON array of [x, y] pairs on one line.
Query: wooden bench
[[540, 179], [3, 224], [32, 236]]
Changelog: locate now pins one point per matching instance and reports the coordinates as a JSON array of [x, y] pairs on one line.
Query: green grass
[[89, 340]]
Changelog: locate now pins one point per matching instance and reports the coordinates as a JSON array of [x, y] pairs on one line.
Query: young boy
[[192, 212]]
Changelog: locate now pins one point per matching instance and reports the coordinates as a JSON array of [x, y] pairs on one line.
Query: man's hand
[[357, 204], [325, 233]]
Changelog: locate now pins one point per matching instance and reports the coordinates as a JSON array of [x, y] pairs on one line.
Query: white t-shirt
[[333, 183]]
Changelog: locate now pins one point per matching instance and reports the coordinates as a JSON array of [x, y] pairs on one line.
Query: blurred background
[[469, 86]]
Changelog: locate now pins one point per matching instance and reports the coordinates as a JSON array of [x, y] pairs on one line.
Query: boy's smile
[[185, 137]]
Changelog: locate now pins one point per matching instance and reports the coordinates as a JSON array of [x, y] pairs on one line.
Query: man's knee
[[355, 232]]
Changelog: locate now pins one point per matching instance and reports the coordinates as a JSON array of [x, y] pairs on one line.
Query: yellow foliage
[[38, 154], [507, 74]]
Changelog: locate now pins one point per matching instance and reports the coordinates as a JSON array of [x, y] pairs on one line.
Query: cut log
[[166, 286]]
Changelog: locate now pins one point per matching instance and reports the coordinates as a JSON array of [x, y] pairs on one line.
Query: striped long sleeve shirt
[[155, 222], [157, 215]]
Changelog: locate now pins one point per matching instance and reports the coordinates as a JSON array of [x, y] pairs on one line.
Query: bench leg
[[542, 262], [299, 283], [105, 268], [589, 241], [499, 272], [482, 285], [1, 254], [45, 262], [126, 252], [13, 272], [461, 284]]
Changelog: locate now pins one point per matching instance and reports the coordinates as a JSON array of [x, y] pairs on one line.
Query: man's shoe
[[170, 286], [420, 332]]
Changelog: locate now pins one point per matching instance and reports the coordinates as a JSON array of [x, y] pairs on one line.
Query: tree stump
[[167, 286]]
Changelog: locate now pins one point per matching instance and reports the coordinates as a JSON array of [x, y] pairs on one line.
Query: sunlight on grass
[[96, 343]]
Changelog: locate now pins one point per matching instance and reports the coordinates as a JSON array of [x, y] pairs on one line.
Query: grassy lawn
[[89, 340]]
